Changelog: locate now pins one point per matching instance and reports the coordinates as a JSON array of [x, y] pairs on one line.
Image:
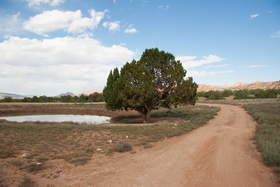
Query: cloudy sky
[[48, 47]]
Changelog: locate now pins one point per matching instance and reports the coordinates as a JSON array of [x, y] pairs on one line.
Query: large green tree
[[156, 80]]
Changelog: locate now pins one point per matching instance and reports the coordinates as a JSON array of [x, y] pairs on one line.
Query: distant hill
[[3, 95], [66, 94], [241, 86], [90, 92]]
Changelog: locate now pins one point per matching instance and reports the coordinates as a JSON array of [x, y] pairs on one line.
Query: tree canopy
[[156, 80]]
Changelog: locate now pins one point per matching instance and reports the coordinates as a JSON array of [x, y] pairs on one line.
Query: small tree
[[7, 99], [111, 91], [156, 80]]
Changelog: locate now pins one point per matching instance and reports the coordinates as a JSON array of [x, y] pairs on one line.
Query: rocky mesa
[[241, 86]]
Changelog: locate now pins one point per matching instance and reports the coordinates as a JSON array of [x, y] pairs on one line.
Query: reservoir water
[[89, 119]]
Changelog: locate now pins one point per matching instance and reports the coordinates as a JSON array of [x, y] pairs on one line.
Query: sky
[[49, 47]]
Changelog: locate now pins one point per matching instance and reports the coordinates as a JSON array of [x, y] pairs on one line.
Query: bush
[[214, 95], [227, 93], [122, 147], [241, 94], [270, 93]]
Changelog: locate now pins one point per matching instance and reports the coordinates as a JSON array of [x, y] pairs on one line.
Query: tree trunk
[[145, 112], [146, 116]]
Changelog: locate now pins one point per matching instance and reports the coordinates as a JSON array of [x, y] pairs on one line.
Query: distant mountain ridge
[[3, 95], [241, 86], [66, 94], [201, 87]]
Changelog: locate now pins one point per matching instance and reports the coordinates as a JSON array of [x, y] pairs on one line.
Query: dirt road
[[219, 154]]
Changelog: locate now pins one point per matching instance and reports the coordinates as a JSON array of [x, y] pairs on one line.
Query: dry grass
[[268, 132]]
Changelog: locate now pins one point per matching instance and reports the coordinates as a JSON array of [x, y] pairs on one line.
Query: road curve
[[219, 154]]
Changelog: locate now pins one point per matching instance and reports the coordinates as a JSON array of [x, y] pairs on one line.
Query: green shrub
[[241, 94], [214, 95], [122, 147]]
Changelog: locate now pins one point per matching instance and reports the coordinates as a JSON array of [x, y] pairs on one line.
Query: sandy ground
[[219, 154]]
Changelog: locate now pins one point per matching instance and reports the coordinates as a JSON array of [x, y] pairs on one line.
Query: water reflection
[[90, 119]]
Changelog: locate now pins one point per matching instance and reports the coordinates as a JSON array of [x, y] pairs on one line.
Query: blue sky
[[52, 46]]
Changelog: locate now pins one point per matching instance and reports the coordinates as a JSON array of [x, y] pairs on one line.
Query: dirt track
[[220, 154]]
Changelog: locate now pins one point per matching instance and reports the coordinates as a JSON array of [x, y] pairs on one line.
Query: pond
[[89, 119]]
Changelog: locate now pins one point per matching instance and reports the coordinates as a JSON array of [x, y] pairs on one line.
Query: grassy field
[[35, 149], [268, 132]]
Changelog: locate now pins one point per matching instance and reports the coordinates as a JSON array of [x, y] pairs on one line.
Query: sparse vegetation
[[27, 182], [267, 136], [30, 147]]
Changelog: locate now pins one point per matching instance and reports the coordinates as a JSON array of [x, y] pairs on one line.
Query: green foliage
[[215, 95], [227, 93], [269, 93], [186, 92], [156, 80], [7, 99], [241, 94], [96, 97], [110, 92], [136, 88], [212, 95]]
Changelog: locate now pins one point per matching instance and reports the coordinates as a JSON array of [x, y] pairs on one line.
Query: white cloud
[[253, 16], [164, 7], [192, 61], [53, 66], [276, 34], [130, 30], [255, 66], [33, 3], [218, 66], [196, 74], [112, 26], [69, 21]]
